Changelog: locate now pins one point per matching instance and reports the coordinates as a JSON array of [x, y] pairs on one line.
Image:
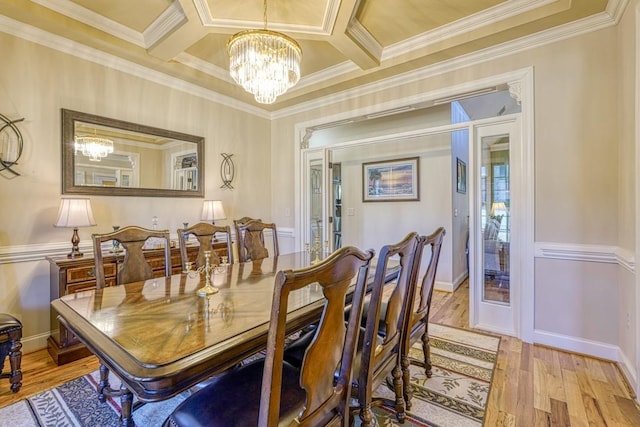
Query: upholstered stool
[[10, 336]]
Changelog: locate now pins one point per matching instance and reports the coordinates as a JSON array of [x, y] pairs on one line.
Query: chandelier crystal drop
[[265, 63], [93, 147]]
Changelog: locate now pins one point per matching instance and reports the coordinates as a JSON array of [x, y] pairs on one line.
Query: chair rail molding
[[585, 252]]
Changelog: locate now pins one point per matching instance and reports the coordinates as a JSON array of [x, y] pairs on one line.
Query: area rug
[[456, 394]]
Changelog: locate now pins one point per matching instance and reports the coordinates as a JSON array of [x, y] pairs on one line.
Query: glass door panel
[[495, 203]]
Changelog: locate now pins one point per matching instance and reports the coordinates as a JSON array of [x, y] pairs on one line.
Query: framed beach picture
[[391, 180], [461, 176]]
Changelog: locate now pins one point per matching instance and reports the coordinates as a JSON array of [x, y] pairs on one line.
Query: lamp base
[[75, 240], [75, 253]]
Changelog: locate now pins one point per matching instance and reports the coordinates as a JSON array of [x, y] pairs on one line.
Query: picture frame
[[461, 176], [395, 180]]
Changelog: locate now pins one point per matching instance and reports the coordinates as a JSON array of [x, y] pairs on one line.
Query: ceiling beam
[[181, 34], [352, 39]]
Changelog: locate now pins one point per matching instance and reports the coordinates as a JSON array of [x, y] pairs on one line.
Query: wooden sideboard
[[68, 276]]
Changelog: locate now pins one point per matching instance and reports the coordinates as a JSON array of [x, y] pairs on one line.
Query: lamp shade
[[75, 213], [497, 207], [212, 210]]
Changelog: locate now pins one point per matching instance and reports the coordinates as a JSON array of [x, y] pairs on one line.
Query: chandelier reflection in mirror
[[93, 147], [265, 63]]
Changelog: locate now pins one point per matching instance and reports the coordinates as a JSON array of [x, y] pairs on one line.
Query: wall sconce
[[74, 213], [212, 210], [227, 170]]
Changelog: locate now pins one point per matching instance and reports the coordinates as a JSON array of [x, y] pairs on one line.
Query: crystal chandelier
[[265, 63], [92, 146]]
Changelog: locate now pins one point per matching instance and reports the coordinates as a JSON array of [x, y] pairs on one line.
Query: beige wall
[[35, 83], [576, 160], [629, 95]]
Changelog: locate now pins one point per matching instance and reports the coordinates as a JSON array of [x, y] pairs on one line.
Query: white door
[[495, 206], [315, 219]]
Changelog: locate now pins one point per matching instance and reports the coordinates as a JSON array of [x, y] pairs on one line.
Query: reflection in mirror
[[110, 157]]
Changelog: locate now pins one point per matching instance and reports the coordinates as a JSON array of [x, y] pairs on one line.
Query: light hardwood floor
[[532, 385]]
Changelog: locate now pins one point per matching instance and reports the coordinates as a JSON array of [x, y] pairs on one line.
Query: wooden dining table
[[161, 338]]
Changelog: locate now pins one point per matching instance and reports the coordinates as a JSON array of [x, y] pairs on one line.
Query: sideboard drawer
[[86, 286], [88, 272]]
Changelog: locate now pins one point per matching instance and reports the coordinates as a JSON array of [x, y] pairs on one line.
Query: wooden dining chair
[[135, 267], [382, 341], [206, 235], [250, 240], [270, 392], [417, 320]]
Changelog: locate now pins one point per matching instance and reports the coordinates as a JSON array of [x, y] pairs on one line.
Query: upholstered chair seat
[[235, 399], [10, 345]]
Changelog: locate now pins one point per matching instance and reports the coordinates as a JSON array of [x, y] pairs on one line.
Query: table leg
[[126, 399], [103, 386]]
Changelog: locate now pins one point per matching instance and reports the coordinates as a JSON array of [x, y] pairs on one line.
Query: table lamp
[[212, 210], [74, 213]]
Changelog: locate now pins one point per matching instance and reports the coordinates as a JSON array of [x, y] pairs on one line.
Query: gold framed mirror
[[109, 157]]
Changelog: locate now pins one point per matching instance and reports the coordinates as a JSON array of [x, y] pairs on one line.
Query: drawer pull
[[91, 272]]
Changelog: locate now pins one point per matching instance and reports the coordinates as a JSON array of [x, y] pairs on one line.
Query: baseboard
[[577, 345], [34, 342], [444, 286], [628, 370]]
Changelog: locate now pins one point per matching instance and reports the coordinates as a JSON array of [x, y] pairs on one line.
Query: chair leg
[[366, 415], [426, 348], [406, 381], [399, 391], [15, 359]]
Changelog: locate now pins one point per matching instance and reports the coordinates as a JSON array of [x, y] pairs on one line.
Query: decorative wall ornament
[[227, 171], [10, 144]]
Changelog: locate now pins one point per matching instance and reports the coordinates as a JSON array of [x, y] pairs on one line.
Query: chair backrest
[[418, 317], [244, 220], [250, 240], [326, 369], [381, 354], [206, 235], [134, 267]]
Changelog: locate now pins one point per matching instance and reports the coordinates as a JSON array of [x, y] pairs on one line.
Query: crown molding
[[616, 8], [543, 38], [52, 41], [204, 67], [457, 28], [328, 20], [89, 17]]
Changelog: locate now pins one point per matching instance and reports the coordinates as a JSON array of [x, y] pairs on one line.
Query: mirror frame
[[69, 119]]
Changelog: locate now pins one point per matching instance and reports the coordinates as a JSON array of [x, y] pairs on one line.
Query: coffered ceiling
[[345, 43]]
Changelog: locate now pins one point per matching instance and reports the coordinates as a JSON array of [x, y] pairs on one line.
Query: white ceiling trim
[[360, 34], [325, 74], [171, 18], [52, 41], [487, 17], [616, 8], [88, 17], [328, 21], [204, 66], [553, 35]]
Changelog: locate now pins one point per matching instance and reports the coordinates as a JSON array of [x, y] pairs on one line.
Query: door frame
[[521, 88]]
